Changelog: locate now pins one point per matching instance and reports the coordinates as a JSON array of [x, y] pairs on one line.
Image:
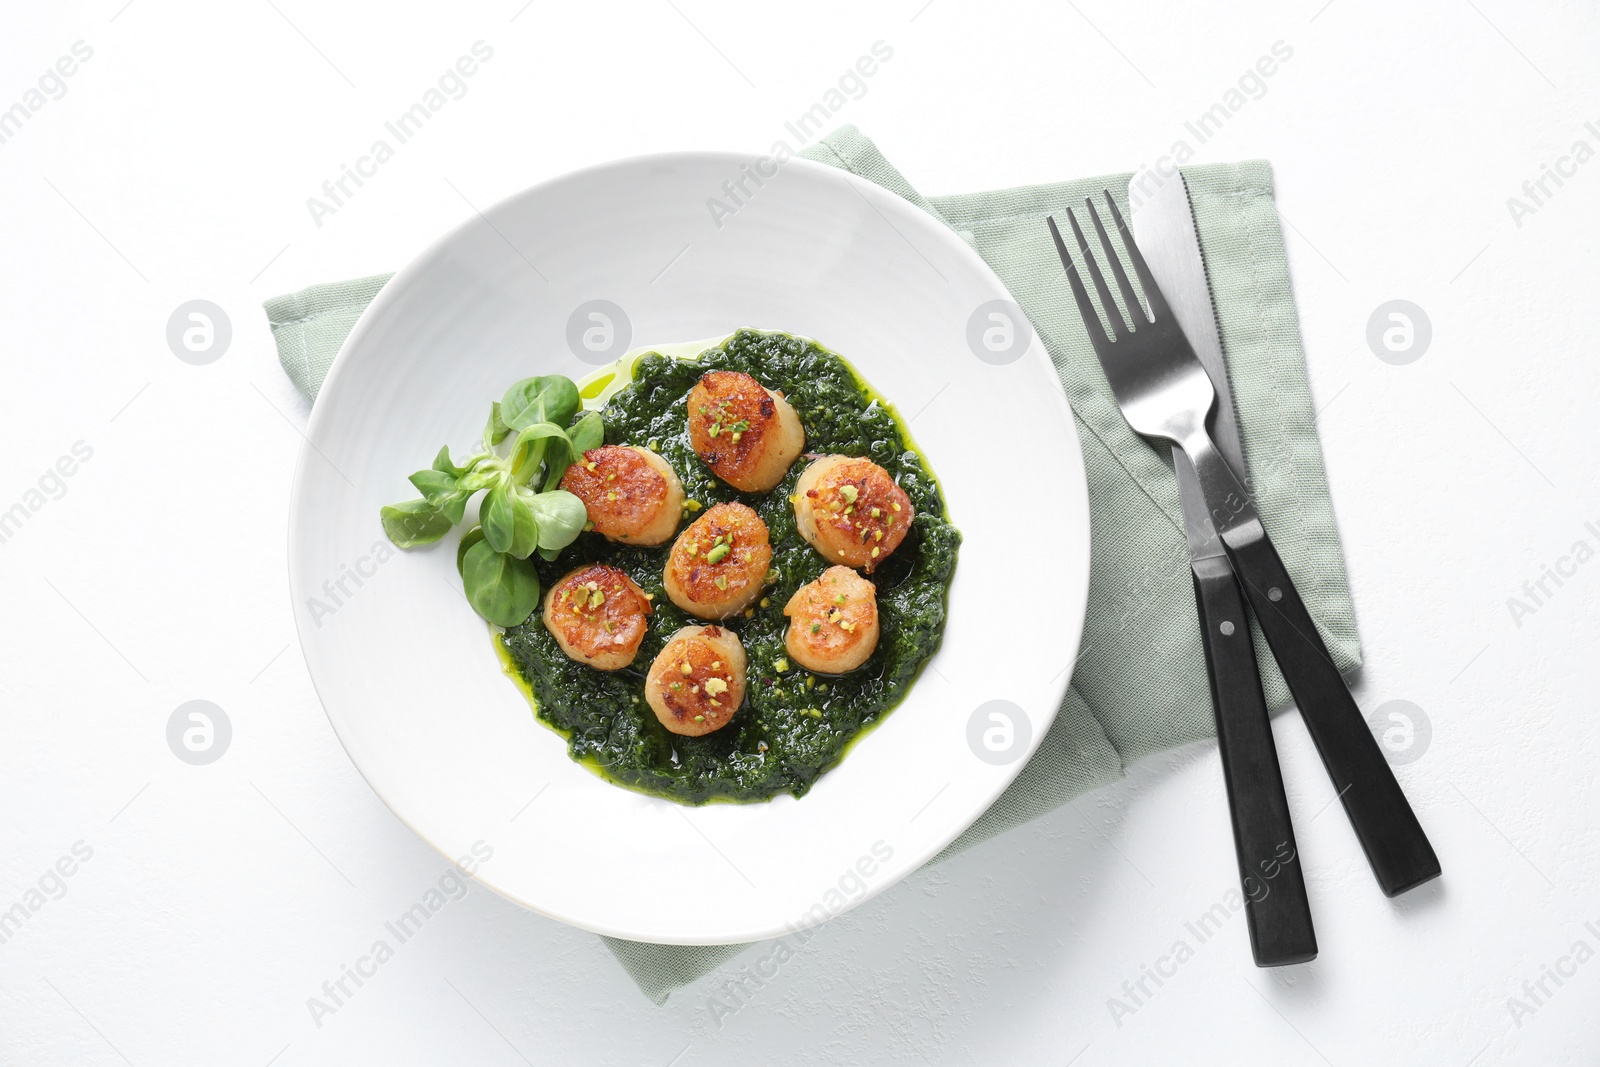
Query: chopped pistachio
[[874, 551], [816, 626], [717, 554], [699, 718], [876, 512], [895, 506], [686, 668], [692, 505], [721, 582], [766, 601], [780, 664], [715, 686]]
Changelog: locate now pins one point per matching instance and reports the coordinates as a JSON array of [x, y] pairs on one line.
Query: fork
[[1165, 393]]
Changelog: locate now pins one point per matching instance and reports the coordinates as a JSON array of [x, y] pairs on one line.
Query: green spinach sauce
[[793, 725]]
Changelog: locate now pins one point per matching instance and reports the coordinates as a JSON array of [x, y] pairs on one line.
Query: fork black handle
[[1397, 849], [1278, 913]]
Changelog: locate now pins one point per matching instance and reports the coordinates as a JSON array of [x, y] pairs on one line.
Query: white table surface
[[217, 899]]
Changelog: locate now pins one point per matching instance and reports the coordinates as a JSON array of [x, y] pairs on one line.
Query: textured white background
[[177, 166]]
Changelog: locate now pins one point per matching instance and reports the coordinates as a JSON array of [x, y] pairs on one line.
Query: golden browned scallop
[[833, 622], [851, 511], [746, 433], [597, 615], [719, 563], [630, 493], [697, 682]]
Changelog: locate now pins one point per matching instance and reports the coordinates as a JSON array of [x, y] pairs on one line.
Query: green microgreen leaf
[[413, 523], [442, 464], [588, 432], [468, 539], [501, 588], [525, 534], [498, 516], [560, 517], [550, 398], [496, 430]]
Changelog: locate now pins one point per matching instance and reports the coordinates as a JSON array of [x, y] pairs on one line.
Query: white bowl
[[407, 671]]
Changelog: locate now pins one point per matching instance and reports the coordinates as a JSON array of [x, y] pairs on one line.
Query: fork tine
[[1152, 292], [1091, 318], [1119, 329], [1129, 298]]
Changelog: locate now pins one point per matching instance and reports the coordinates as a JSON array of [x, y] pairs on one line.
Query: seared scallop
[[697, 682], [746, 433], [631, 494], [851, 511], [718, 565], [597, 615], [833, 622]]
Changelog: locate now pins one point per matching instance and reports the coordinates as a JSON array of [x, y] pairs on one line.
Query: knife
[[1278, 913]]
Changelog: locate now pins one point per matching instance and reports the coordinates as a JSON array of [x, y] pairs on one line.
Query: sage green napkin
[[1139, 685]]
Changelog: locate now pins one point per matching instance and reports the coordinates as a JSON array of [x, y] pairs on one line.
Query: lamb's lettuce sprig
[[522, 511]]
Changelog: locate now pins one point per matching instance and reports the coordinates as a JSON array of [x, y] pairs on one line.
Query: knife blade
[[1278, 916], [1164, 227]]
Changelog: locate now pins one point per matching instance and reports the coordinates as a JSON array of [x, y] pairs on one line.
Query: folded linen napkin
[[1139, 685]]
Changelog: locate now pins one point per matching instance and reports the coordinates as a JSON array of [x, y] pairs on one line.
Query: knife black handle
[[1278, 914], [1396, 847]]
